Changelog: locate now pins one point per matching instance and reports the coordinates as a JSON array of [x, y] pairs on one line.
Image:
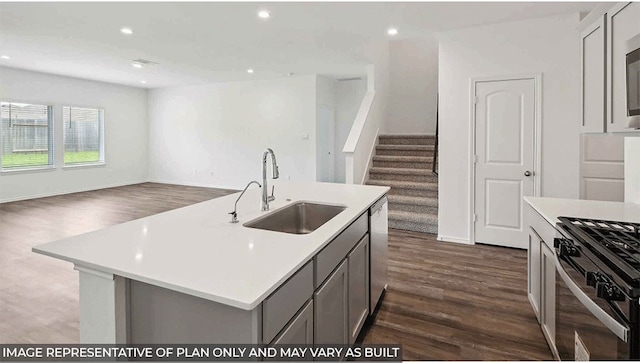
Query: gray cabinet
[[593, 82], [331, 308], [300, 329], [358, 275]]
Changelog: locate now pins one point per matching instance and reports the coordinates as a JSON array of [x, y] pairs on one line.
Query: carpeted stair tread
[[403, 184], [403, 174], [401, 171], [406, 139], [413, 217], [419, 201], [406, 150], [406, 147], [413, 159], [407, 136], [419, 222]]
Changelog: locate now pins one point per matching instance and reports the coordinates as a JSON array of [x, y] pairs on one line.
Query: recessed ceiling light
[[136, 65], [143, 82], [264, 14], [250, 70], [5, 57], [392, 31], [126, 31]]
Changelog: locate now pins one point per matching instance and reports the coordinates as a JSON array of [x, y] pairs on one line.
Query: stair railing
[[434, 170]]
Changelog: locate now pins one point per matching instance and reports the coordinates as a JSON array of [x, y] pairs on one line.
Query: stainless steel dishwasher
[[379, 228]]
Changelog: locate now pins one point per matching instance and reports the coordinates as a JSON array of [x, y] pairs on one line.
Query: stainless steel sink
[[297, 218]]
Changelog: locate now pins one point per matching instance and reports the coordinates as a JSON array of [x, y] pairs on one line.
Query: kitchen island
[[191, 276]]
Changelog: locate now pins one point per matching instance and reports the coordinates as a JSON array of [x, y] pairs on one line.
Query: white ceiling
[[205, 42]]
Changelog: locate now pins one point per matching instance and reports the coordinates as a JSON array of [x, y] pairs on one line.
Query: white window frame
[[101, 129], [51, 141]]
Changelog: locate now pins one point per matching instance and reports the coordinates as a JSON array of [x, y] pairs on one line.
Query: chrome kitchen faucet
[[268, 198]]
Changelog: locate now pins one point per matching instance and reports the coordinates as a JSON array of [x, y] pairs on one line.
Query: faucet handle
[[272, 197], [234, 217]]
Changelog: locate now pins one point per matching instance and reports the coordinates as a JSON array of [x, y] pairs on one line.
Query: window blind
[[83, 140], [26, 137]]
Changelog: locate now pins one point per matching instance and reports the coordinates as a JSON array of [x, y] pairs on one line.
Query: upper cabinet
[[623, 23], [593, 86], [602, 53]]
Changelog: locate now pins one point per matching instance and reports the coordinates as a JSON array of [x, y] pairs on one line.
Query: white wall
[[214, 135], [414, 85], [325, 129], [349, 94], [373, 109], [548, 46], [125, 133]]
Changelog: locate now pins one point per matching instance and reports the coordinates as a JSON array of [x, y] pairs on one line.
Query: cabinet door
[[548, 308], [300, 330], [593, 85], [358, 262], [622, 24], [331, 308], [534, 261]]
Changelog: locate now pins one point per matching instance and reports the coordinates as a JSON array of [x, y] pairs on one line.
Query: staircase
[[404, 162]]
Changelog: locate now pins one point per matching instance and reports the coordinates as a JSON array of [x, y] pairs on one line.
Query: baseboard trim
[[80, 190], [189, 184], [454, 240]]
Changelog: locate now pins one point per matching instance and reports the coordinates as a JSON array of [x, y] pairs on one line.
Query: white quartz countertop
[[552, 208], [195, 250]]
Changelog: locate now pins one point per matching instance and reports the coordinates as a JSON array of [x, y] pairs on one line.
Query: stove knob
[[565, 248], [592, 278], [609, 292], [556, 242]]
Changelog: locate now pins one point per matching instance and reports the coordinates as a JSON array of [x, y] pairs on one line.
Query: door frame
[[537, 139]]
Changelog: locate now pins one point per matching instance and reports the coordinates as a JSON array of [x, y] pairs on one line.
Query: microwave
[[633, 81]]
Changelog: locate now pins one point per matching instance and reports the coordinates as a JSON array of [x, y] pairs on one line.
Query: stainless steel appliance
[[379, 245], [633, 81], [597, 290]]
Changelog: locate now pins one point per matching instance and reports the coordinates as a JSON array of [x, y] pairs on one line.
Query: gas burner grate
[[617, 243]]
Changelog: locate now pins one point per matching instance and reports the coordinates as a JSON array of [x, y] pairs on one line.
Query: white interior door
[[504, 167]]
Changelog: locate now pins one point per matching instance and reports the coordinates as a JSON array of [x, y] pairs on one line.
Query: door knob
[[527, 173]]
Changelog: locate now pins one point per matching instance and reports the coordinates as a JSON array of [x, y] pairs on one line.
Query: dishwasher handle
[[377, 206]]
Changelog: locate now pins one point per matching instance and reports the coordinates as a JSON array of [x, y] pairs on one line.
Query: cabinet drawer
[[336, 250], [285, 302]]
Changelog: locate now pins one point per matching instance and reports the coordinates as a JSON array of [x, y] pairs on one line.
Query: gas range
[[615, 244], [598, 288]]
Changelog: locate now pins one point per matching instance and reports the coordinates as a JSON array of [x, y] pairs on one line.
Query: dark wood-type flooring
[[39, 294], [445, 301]]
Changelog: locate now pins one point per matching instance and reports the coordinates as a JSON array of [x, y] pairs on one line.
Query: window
[[26, 136], [83, 135]]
